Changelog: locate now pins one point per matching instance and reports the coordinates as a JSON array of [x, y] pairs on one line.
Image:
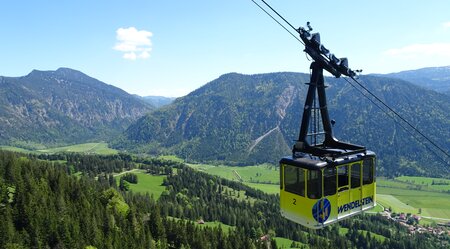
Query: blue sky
[[173, 47]]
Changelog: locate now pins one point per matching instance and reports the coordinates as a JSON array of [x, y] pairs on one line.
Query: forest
[[69, 201]]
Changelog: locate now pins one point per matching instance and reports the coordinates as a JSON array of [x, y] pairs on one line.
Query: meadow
[[264, 177], [89, 148], [151, 184], [286, 243], [94, 148], [413, 195], [344, 231], [15, 149], [426, 183], [213, 224]]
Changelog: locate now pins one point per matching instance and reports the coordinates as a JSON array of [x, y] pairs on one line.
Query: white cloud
[[135, 44], [130, 56], [420, 50], [412, 57], [144, 55]]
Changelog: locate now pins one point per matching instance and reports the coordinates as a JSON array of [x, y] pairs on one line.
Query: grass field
[[409, 194], [343, 231], [433, 204], [394, 203], [378, 208], [264, 177], [417, 183], [264, 173], [438, 184], [286, 243], [266, 188], [15, 149], [94, 148], [147, 184], [378, 237], [171, 158], [225, 228]]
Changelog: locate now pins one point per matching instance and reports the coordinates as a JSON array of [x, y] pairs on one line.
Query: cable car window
[[281, 176], [294, 180], [342, 172], [368, 171], [356, 175], [314, 184], [329, 181]]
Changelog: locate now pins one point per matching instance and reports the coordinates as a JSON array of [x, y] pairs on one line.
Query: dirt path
[[435, 218], [256, 142], [124, 172]]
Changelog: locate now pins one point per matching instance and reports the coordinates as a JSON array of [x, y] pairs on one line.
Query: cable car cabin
[[316, 193], [325, 180]]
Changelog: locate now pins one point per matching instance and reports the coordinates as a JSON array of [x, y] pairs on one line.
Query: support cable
[[400, 117], [393, 117], [273, 18]]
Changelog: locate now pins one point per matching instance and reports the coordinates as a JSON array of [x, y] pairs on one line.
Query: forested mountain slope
[[249, 119], [41, 206], [63, 106]]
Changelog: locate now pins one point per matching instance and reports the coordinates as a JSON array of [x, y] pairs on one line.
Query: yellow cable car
[[316, 192], [324, 182]]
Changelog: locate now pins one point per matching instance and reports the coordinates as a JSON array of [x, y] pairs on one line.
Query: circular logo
[[321, 210]]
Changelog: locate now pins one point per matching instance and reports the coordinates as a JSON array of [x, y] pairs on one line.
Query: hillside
[[63, 106], [249, 119], [434, 78]]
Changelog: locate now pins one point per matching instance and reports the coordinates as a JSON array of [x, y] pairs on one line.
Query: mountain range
[[62, 107], [238, 119], [247, 119]]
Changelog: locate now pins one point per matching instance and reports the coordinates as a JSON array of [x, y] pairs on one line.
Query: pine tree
[[156, 225]]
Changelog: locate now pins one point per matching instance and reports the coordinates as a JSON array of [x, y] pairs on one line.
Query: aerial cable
[[278, 14], [400, 117], [362, 86], [273, 18], [393, 117]]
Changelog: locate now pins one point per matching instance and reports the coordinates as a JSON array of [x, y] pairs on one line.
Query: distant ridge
[[434, 78], [157, 101], [61, 107]]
